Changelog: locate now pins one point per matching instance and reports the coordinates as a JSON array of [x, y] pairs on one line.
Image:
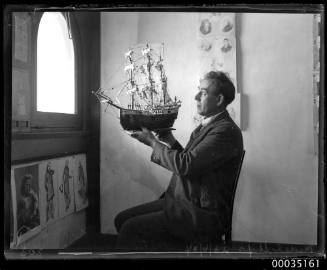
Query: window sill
[[48, 134]]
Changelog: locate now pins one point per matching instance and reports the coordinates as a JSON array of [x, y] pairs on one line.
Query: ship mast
[[150, 77], [132, 83], [131, 80], [163, 79]]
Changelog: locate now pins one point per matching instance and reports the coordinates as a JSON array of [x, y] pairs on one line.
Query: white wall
[[178, 32], [276, 200], [127, 177]]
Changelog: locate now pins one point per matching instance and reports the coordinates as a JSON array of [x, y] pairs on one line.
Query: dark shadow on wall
[[89, 27], [239, 72]]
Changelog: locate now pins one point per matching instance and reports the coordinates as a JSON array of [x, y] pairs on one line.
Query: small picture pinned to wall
[[205, 45], [215, 16], [205, 27], [217, 64], [66, 186], [227, 46], [80, 182], [220, 55], [49, 208], [227, 24], [25, 192], [212, 63]]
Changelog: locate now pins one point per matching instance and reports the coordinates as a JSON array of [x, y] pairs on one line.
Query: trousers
[[143, 227]]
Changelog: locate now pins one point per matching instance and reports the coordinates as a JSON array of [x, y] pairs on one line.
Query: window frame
[[51, 121]]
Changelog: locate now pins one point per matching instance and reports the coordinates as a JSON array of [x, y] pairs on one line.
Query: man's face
[[27, 187], [207, 100]]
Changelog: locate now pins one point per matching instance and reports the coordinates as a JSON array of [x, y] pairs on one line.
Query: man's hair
[[224, 85]]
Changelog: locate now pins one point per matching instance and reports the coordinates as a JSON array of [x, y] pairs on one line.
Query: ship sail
[[148, 82]]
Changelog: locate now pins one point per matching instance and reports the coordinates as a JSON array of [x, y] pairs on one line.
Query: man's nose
[[197, 97]]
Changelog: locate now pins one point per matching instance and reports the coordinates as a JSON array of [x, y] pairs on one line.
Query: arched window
[[55, 65]]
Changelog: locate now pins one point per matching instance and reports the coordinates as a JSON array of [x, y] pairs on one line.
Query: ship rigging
[[150, 104]]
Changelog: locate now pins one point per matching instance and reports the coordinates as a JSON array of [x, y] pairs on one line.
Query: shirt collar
[[208, 120]]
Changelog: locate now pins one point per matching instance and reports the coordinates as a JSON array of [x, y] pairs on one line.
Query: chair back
[[228, 234]]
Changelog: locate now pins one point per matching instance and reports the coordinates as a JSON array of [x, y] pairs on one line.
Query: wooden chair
[[228, 235]]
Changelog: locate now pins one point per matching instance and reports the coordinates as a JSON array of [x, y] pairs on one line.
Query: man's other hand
[[145, 136]]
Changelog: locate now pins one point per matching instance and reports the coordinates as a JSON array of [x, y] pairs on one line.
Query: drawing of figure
[[227, 25], [215, 16], [48, 184], [206, 46], [205, 27], [227, 46], [65, 181], [216, 64], [82, 191], [28, 206]]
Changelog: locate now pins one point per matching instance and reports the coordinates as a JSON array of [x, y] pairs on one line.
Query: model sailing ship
[[149, 104]]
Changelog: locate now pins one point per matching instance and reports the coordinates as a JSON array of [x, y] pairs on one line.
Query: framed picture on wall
[[49, 198], [80, 182], [217, 52], [66, 186], [25, 199]]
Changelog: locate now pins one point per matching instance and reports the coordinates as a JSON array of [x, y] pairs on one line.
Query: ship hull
[[136, 119]]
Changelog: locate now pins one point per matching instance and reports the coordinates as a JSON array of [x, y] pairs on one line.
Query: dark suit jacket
[[198, 198]]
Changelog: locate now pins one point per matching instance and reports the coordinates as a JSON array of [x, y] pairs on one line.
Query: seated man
[[196, 204]]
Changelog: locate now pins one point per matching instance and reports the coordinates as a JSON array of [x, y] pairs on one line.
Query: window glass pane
[[55, 66]]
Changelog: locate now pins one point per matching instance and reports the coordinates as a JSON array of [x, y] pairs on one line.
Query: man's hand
[[166, 136], [145, 136]]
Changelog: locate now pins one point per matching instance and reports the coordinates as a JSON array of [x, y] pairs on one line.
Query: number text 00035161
[[295, 263]]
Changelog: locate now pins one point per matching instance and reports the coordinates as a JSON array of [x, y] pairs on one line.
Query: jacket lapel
[[193, 135]]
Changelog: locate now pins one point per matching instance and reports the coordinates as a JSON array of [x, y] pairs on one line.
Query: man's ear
[[220, 100]]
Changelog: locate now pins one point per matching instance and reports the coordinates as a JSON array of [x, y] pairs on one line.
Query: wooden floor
[[96, 242]]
